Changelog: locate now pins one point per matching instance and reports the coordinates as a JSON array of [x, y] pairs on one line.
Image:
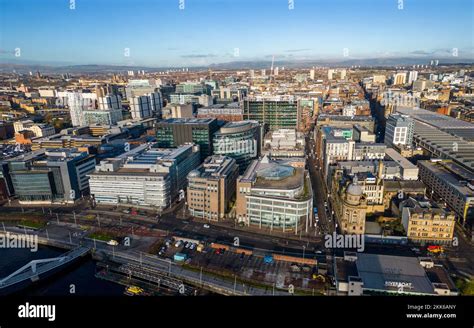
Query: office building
[[225, 112], [275, 194], [225, 95], [443, 136], [362, 134], [452, 184], [38, 129], [339, 121], [427, 223], [399, 131], [280, 112], [284, 143], [176, 132], [178, 111], [211, 187], [240, 141], [193, 88], [136, 88], [144, 176], [199, 99], [42, 176], [408, 170]]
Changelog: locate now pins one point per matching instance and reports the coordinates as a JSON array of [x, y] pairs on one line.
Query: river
[[80, 274]]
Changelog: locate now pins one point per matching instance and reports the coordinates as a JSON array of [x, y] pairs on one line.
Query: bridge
[[37, 269]]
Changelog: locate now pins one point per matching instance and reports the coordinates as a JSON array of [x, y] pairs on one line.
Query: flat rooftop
[[452, 173], [187, 120], [450, 146], [399, 159], [385, 272], [274, 174]]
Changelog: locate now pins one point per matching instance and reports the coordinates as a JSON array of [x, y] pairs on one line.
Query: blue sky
[[158, 33]]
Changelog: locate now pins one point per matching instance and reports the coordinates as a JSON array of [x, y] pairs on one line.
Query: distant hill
[[257, 64]]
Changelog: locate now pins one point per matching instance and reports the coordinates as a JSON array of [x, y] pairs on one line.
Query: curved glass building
[[239, 140]]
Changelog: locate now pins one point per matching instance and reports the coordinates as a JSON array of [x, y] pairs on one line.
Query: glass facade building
[[50, 176], [239, 140], [175, 132], [275, 113]]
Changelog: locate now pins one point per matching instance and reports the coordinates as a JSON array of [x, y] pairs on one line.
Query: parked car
[[178, 243], [207, 226], [193, 245]]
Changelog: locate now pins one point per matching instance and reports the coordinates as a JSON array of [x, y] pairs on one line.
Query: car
[[178, 243], [160, 253], [217, 251], [192, 246], [319, 252], [112, 242], [207, 226], [187, 245]]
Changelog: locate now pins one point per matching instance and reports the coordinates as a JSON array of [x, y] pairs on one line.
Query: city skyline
[[297, 30]]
